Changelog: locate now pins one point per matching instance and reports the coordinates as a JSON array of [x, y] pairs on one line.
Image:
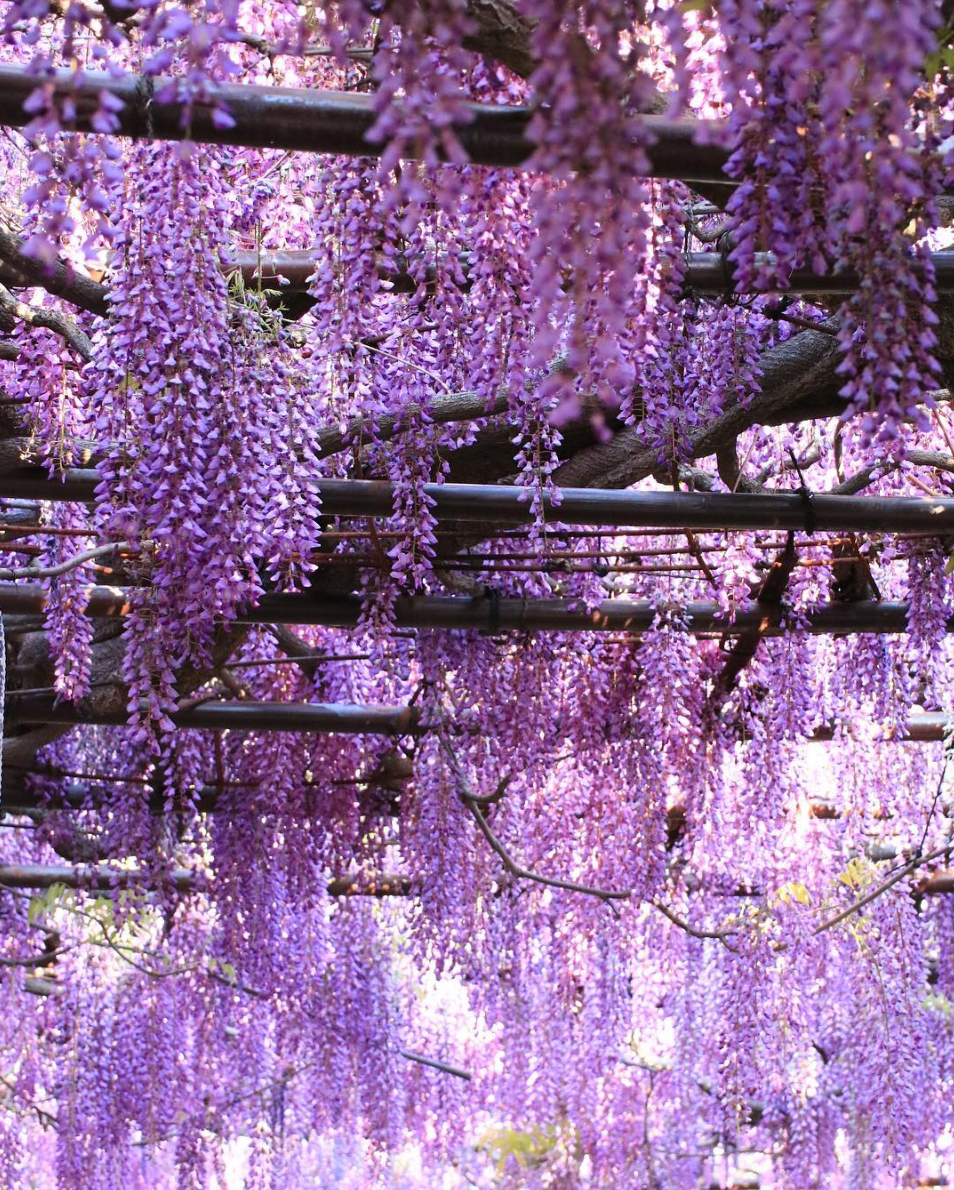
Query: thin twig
[[42, 1114], [948, 748], [522, 873], [44, 959], [90, 555], [911, 866], [684, 925], [456, 1071], [473, 803]]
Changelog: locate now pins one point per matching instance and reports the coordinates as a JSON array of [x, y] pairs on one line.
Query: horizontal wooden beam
[[309, 121], [711, 273], [23, 707], [714, 273], [289, 270], [607, 508], [99, 878], [486, 614], [323, 718]]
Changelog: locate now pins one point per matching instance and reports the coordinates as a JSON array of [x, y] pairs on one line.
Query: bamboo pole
[[488, 614], [329, 719], [100, 878], [600, 507], [305, 120], [714, 273]]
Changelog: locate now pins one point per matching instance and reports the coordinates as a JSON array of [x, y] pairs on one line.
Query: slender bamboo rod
[[556, 615], [100, 793], [610, 508], [713, 272], [321, 718], [16, 799], [706, 273], [345, 719], [290, 269], [101, 878], [310, 121], [507, 614], [487, 614]]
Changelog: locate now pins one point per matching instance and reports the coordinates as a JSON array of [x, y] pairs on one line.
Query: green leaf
[[943, 57], [45, 902]]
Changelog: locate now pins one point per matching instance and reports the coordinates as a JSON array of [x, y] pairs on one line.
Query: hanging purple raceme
[[498, 326], [730, 344], [354, 236], [770, 69], [194, 40], [72, 173], [47, 383], [832, 173], [344, 918], [880, 189], [928, 615], [186, 478], [590, 215], [668, 397], [69, 628], [418, 63]]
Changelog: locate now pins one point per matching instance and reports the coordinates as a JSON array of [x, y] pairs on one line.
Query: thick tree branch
[[769, 597], [62, 279], [803, 366], [38, 316]]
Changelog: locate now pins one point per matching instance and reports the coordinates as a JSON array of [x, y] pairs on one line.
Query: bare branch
[[473, 803], [689, 929], [934, 459], [446, 408], [912, 866], [51, 320], [456, 1071], [90, 555]]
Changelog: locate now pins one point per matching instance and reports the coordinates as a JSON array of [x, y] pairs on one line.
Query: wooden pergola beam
[[308, 121], [709, 273], [24, 707], [100, 878], [459, 613], [714, 273], [606, 508], [244, 715]]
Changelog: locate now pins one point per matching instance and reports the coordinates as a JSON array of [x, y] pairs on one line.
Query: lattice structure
[[475, 523]]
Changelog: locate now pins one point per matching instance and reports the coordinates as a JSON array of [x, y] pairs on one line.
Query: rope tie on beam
[[724, 245], [492, 595], [144, 95], [807, 495]]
